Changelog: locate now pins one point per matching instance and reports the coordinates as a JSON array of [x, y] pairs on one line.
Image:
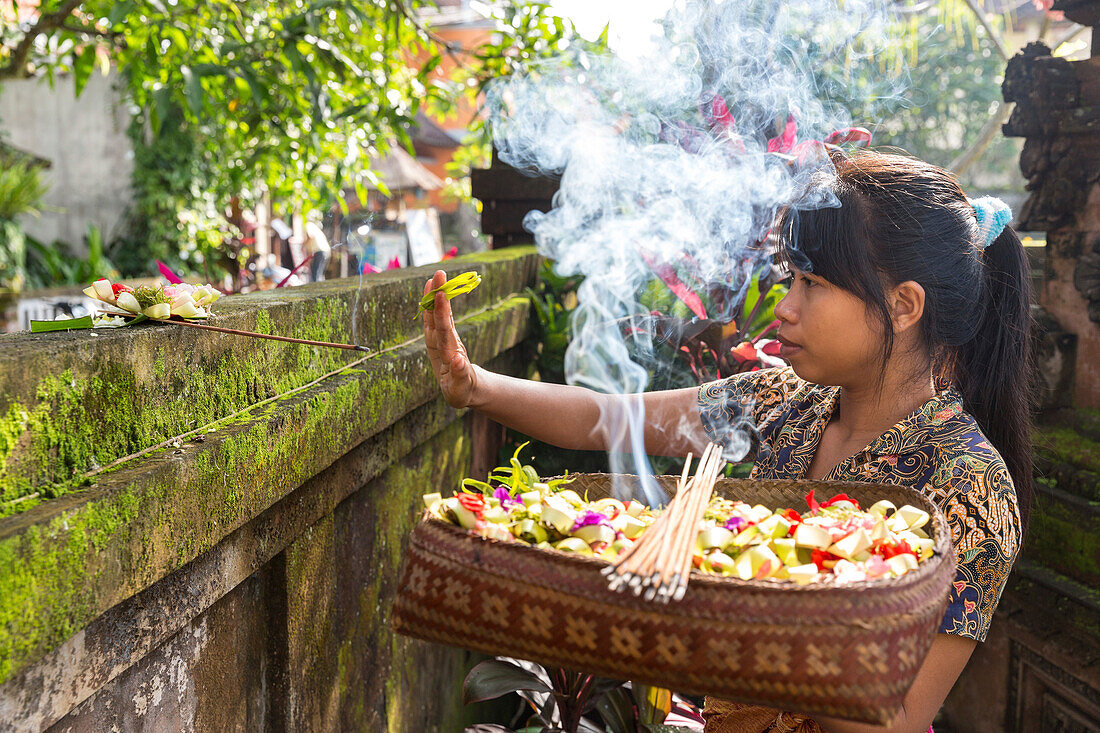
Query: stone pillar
[[1058, 112]]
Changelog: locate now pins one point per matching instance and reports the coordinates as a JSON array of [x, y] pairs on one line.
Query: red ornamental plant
[[717, 330]]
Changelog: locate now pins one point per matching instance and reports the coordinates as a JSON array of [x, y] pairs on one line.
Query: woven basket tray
[[850, 651]]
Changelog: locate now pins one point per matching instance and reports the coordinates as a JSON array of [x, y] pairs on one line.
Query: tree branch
[[16, 66], [980, 14], [84, 30], [453, 49], [969, 156]]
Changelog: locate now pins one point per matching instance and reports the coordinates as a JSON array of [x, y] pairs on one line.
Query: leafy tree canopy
[[292, 94]]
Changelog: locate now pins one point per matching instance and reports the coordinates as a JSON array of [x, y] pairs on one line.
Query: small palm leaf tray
[[850, 650]]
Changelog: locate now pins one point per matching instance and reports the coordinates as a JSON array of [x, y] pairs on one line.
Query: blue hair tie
[[993, 216]]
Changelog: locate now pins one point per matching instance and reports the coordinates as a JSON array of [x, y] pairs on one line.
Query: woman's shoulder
[[971, 483]]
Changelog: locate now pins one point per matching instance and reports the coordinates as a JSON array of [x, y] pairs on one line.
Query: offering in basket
[[829, 610]]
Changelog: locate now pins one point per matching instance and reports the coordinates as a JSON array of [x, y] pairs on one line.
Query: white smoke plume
[[682, 158]]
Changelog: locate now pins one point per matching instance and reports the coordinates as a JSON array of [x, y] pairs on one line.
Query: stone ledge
[[151, 515], [71, 402]]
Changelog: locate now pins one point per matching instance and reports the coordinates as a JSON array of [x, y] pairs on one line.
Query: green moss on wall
[[139, 520], [124, 394], [1070, 446]]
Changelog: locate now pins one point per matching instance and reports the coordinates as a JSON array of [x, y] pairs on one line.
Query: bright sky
[[631, 20]]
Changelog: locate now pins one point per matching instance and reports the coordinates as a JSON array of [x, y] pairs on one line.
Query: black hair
[[901, 219]]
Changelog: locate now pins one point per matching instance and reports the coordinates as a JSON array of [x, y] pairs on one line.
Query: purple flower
[[590, 517], [505, 499], [735, 524]]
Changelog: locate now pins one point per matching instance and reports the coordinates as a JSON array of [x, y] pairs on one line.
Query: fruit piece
[[608, 506], [901, 564], [495, 515], [465, 517], [774, 526], [882, 508], [850, 546], [430, 500], [719, 563], [529, 530], [756, 562], [594, 533], [914, 518], [628, 525], [530, 497], [573, 544], [802, 574], [558, 514], [712, 537], [811, 535], [634, 508], [786, 550]]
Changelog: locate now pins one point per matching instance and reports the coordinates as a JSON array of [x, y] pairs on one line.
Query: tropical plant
[[556, 700], [21, 191], [54, 264]]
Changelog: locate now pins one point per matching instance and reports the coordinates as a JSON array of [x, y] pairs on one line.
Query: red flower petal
[[786, 140]]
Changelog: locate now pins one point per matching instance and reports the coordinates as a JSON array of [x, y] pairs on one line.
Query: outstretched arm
[[566, 416]]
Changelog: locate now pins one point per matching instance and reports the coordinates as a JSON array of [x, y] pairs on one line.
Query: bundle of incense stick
[[659, 563]]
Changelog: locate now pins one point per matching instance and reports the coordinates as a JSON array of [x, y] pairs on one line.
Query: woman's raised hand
[[453, 370]]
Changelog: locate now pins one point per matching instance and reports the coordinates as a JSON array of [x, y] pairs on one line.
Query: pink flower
[[590, 517]]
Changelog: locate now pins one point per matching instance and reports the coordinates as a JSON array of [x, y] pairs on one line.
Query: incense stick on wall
[[252, 334]]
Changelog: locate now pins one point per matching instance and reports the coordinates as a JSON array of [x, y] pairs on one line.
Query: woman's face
[[827, 334]]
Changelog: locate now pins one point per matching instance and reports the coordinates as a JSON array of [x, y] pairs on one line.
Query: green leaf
[[83, 63], [119, 11], [192, 83], [493, 678], [473, 483], [654, 703], [71, 324], [617, 711]]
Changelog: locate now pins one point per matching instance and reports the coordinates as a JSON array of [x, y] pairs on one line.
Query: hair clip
[[993, 216]]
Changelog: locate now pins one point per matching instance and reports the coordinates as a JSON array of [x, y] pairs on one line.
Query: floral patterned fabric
[[938, 450]]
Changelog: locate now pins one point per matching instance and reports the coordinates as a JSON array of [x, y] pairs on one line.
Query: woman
[[906, 329]]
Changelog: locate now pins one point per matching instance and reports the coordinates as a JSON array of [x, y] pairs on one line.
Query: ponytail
[[993, 371]]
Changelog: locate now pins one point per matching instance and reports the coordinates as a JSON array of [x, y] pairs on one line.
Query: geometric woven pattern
[[850, 651]]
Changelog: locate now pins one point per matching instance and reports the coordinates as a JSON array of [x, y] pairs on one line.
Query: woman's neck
[[868, 410]]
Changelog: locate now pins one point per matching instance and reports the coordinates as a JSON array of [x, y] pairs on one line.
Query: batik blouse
[[937, 450]]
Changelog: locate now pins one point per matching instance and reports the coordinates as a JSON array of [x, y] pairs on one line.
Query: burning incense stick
[[659, 563], [253, 334]]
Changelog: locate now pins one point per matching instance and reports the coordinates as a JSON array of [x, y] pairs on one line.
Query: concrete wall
[[85, 141], [203, 532]]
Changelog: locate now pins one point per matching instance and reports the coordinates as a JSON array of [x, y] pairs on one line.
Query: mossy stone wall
[[203, 531]]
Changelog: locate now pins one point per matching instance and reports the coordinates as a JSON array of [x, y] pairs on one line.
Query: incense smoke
[[681, 159]]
